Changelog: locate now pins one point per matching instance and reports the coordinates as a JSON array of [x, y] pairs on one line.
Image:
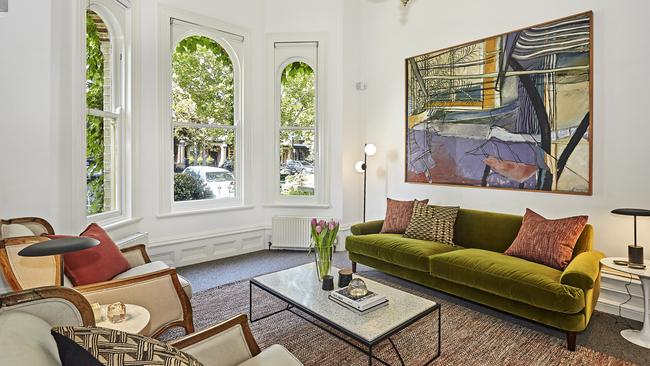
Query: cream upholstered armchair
[[26, 318], [153, 285]]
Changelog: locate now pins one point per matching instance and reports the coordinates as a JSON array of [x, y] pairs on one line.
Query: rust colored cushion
[[398, 215], [547, 242], [97, 264]]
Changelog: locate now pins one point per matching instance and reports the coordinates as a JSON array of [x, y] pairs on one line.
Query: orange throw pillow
[[398, 215], [97, 264], [548, 242]]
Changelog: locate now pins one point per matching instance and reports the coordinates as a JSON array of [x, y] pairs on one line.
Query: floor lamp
[[361, 167]]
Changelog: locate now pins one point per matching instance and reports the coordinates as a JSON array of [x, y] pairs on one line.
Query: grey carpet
[[601, 336]]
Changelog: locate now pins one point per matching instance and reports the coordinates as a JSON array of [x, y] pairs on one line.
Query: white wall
[[621, 129], [39, 135]]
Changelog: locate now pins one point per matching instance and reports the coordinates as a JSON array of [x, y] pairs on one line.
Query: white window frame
[[116, 14], [297, 47], [234, 41]]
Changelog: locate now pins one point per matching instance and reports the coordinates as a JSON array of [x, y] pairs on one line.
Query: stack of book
[[362, 304]]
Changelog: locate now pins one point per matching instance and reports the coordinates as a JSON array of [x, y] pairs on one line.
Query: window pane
[[297, 162], [202, 82], [204, 162], [100, 165], [100, 132], [298, 96], [98, 65]]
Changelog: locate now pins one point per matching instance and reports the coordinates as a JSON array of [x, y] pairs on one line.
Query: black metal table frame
[[291, 305]]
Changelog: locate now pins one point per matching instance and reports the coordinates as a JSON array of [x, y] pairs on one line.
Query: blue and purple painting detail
[[511, 111]]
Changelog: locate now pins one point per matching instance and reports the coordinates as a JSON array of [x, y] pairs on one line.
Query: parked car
[[295, 165], [307, 166], [220, 181]]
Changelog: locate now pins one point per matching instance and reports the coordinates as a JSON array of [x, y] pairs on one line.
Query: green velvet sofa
[[477, 269]]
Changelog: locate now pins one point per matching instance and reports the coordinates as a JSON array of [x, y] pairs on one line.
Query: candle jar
[[116, 312]]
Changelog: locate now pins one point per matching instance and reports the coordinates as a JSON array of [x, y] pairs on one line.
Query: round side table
[[638, 337], [137, 320]]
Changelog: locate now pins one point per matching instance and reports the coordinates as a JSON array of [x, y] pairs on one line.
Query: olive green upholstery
[[477, 269]]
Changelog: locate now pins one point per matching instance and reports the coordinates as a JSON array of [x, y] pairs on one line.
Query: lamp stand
[[365, 170], [635, 252]]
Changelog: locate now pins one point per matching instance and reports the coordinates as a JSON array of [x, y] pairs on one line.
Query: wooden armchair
[[27, 316], [153, 285]]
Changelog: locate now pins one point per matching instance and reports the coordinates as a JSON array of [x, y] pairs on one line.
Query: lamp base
[[635, 254]]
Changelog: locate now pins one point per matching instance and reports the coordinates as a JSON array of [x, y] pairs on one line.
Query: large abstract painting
[[511, 111]]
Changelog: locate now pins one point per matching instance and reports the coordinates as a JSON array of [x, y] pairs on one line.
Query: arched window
[[297, 130], [105, 102], [203, 119], [300, 170]]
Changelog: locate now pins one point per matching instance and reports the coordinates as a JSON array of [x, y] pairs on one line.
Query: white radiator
[[291, 232]]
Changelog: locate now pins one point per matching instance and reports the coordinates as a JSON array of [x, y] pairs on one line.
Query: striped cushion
[[113, 348], [547, 242], [433, 223]]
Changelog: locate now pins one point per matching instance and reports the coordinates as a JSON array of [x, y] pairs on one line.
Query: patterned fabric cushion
[[433, 223], [113, 348], [398, 215], [547, 242]]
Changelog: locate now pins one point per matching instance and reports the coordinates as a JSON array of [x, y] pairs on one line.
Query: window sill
[[297, 205], [121, 223], [203, 211]]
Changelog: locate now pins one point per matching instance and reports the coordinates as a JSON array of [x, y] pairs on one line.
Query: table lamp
[[58, 246], [634, 252]]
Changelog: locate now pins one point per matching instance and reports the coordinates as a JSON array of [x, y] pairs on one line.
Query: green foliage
[[202, 91], [298, 98], [94, 125], [188, 187]]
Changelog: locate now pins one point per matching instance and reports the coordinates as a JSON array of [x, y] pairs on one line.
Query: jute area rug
[[468, 337]]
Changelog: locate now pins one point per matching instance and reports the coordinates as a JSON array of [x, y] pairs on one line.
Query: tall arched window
[[203, 117], [105, 102], [202, 133], [297, 129], [300, 176]]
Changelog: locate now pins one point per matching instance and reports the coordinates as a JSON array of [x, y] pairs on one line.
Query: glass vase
[[323, 257]]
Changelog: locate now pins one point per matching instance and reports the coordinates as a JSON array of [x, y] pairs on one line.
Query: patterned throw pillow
[[113, 348], [433, 223], [547, 242], [398, 215]]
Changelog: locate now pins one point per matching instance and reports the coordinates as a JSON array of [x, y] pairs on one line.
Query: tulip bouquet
[[323, 235]]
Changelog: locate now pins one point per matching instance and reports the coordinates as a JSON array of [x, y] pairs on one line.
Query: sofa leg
[[354, 267], [571, 340]]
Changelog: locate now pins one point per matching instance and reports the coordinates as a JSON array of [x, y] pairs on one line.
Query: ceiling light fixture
[[405, 2]]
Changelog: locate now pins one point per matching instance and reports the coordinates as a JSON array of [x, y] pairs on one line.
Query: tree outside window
[[203, 99], [297, 130]]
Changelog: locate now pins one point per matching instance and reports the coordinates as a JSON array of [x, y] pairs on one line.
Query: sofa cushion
[[72, 354], [394, 248], [153, 267], [114, 347], [276, 355], [97, 264], [511, 277], [26, 340], [398, 216], [545, 241], [435, 223]]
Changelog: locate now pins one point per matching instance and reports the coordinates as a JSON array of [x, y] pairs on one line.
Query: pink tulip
[[331, 226], [314, 222], [319, 229], [322, 223]]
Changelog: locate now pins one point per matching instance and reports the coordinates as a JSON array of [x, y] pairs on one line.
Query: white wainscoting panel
[[185, 250]]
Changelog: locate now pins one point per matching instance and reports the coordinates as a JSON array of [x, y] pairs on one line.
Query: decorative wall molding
[[184, 250]]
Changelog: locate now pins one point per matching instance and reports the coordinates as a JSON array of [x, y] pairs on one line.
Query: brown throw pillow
[[398, 215], [433, 223], [547, 242]]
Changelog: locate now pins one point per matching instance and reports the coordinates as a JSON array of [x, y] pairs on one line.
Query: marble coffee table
[[301, 290]]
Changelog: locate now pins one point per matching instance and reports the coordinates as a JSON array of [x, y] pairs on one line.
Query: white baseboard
[[614, 296]]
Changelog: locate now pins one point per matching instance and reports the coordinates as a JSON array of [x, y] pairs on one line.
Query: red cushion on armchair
[[97, 264]]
